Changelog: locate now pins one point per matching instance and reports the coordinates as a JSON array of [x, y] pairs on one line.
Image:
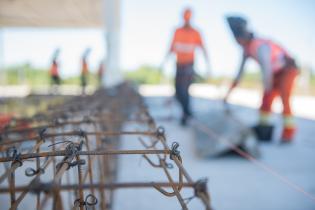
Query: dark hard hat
[[238, 26]]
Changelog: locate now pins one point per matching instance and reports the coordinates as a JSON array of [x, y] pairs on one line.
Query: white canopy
[[51, 13]]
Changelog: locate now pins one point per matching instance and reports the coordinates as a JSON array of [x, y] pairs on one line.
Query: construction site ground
[[283, 177], [234, 182]]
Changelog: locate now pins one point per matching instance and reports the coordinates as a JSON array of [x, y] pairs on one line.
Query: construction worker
[[84, 70], [100, 72], [278, 72], [54, 69], [5, 120], [185, 41]]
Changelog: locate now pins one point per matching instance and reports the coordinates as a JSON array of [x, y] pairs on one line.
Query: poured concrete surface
[[234, 183]]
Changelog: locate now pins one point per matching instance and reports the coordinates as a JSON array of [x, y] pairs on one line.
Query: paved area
[[234, 183], [303, 106]]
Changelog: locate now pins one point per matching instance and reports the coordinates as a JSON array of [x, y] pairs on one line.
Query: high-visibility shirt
[[101, 70], [54, 69], [4, 121], [277, 53], [85, 68], [185, 41]]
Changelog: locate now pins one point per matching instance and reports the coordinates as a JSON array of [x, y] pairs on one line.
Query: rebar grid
[[71, 154]]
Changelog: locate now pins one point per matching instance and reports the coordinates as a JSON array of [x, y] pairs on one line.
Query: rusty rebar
[[81, 135]]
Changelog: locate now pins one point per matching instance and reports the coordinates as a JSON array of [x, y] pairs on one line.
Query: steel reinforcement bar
[[67, 156]]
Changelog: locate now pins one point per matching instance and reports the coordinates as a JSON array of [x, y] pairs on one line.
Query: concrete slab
[[303, 106], [235, 183]]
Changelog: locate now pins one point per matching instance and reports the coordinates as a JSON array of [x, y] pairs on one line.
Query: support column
[[113, 75], [2, 72]]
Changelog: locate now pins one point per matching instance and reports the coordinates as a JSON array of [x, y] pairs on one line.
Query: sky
[[148, 26]]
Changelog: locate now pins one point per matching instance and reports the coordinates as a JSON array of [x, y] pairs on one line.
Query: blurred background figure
[[186, 40], [84, 70], [100, 72], [5, 120], [278, 73], [54, 72]]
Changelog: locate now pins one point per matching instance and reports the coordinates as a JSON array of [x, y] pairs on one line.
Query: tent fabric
[[51, 13]]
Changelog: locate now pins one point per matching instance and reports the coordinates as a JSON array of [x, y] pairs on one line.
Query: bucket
[[263, 132]]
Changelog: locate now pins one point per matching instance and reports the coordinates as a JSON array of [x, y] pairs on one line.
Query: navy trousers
[[184, 78]]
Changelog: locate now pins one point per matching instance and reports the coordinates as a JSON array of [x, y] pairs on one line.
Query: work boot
[[183, 121], [189, 114], [285, 142], [288, 134], [185, 118]]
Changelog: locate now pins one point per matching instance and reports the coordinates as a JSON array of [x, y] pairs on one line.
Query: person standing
[[54, 70], [278, 72], [186, 40], [84, 70], [101, 72]]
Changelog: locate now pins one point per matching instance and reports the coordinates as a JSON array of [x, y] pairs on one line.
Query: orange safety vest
[[85, 68], [101, 70], [278, 54], [4, 121], [54, 69], [184, 43]]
